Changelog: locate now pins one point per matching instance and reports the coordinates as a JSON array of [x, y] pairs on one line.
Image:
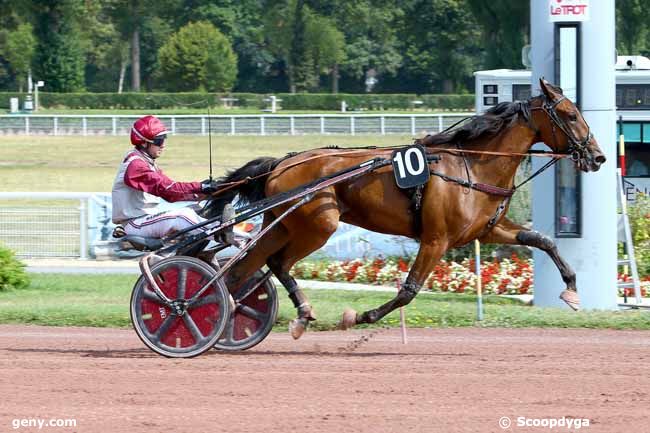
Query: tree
[[307, 44], [371, 34], [505, 26], [441, 43], [59, 59], [327, 45], [300, 56], [631, 26], [198, 57], [19, 49]]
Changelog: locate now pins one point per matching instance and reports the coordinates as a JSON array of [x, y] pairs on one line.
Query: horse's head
[[561, 126]]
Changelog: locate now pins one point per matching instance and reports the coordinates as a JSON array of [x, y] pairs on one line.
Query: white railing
[[245, 124], [45, 230]]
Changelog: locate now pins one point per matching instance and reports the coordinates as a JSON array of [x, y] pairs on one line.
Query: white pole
[[479, 288]]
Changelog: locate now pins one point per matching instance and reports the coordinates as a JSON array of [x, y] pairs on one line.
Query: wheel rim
[[190, 329], [253, 317]]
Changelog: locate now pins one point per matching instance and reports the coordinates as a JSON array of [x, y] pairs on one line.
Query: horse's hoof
[[349, 319], [297, 327], [571, 298]]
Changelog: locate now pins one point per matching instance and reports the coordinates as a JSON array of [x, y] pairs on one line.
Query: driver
[[140, 184]]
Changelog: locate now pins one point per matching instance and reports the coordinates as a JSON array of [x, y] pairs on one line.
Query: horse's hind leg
[[308, 235], [427, 257], [508, 232], [280, 265]]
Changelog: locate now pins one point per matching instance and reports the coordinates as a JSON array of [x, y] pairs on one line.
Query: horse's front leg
[[507, 232], [427, 257]]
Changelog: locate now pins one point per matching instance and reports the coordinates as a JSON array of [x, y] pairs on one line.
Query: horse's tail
[[252, 176]]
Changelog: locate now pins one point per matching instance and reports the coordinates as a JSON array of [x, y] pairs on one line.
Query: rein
[[576, 151]]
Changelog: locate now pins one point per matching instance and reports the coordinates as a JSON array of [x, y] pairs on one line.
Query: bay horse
[[466, 198]]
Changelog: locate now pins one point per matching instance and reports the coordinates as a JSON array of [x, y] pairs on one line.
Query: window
[[568, 206], [521, 92], [489, 89], [490, 100], [633, 96]]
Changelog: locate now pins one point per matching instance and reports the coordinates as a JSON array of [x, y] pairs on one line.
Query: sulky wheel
[[256, 309], [192, 322]]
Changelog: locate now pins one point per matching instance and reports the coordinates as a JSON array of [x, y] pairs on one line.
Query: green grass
[[103, 301], [45, 163]]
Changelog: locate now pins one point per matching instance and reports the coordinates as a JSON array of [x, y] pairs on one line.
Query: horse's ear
[[552, 92]]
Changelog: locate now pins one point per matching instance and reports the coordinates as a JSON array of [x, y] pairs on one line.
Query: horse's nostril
[[600, 159]]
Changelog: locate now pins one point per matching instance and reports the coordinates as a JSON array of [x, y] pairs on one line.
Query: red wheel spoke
[[191, 325], [151, 296], [182, 283], [164, 327], [209, 299], [250, 312]]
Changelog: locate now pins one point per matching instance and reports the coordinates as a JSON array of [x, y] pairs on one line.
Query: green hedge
[[299, 101], [12, 271]]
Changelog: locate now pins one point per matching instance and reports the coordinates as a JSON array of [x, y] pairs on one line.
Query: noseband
[[577, 148]]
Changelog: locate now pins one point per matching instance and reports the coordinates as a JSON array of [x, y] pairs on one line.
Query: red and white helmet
[[148, 129]]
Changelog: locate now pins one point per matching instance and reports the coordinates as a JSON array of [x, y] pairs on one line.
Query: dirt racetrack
[[444, 380]]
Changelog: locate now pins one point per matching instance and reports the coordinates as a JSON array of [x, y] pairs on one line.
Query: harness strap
[[483, 187]]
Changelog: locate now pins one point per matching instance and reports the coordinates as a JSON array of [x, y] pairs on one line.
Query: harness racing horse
[[466, 197]]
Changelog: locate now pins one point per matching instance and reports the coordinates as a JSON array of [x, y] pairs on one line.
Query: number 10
[[405, 162]]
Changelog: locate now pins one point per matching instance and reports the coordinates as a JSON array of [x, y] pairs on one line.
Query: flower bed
[[512, 276]]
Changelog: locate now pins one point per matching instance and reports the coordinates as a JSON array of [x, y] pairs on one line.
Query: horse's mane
[[488, 124]]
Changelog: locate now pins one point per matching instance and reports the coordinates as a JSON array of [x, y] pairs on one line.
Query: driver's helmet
[[148, 129]]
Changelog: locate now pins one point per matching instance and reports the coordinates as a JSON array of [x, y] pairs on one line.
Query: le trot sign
[[568, 10]]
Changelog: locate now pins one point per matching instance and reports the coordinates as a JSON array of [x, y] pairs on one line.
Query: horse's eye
[[573, 117]]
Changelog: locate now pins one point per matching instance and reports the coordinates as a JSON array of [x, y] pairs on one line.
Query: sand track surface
[[443, 380]]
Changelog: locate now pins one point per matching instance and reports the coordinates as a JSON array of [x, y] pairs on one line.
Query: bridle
[[577, 147]]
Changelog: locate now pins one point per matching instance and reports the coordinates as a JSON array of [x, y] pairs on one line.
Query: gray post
[[593, 255]]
